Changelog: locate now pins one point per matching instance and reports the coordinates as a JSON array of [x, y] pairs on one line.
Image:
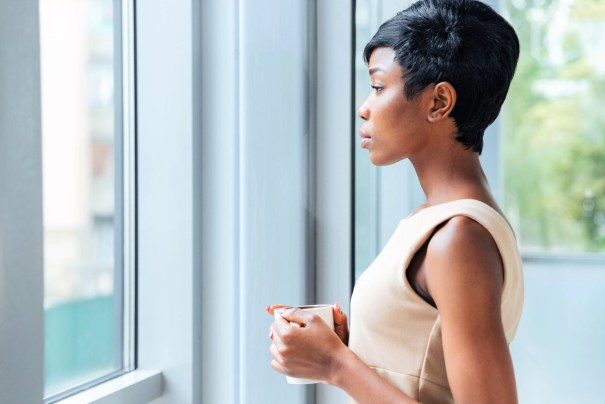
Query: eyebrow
[[377, 69]]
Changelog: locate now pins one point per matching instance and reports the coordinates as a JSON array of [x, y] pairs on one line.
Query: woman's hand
[[313, 351], [341, 326], [310, 351]]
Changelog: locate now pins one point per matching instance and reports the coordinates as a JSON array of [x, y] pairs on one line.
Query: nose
[[364, 112]]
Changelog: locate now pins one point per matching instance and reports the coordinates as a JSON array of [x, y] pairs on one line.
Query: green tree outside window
[[553, 126]]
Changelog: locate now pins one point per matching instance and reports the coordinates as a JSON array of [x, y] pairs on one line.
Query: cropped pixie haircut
[[463, 42]]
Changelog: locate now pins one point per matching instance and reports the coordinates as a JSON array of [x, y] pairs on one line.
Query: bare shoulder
[[461, 256], [460, 234]]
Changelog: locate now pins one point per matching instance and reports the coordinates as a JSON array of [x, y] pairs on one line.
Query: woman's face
[[394, 126]]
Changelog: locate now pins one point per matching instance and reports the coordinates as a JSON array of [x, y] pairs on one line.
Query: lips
[[365, 139]]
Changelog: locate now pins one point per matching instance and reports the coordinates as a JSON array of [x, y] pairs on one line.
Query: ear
[[444, 100]]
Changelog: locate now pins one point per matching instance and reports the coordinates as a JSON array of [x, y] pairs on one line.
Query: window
[[87, 195]]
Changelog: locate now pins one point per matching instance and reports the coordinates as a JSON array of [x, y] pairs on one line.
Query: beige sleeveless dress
[[398, 334]]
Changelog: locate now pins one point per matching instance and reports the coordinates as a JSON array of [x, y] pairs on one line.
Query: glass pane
[[558, 353], [81, 221], [366, 239], [553, 127], [383, 195]]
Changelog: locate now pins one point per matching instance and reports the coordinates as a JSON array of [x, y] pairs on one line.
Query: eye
[[377, 89]]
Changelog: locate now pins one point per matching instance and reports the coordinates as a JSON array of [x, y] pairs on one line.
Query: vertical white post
[[334, 111], [276, 256], [167, 292], [217, 144]]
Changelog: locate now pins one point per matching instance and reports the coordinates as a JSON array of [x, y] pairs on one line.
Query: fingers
[[278, 367], [271, 309], [281, 329], [275, 353], [281, 310], [294, 315], [277, 362], [278, 342], [300, 317]]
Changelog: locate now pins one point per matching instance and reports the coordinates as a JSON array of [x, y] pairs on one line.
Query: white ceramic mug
[[324, 311]]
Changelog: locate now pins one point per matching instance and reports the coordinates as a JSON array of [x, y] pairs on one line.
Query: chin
[[384, 161]]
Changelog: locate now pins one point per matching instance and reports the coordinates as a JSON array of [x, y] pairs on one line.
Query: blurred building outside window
[[82, 225]]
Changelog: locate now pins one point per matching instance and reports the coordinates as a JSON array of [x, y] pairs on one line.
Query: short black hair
[[463, 42]]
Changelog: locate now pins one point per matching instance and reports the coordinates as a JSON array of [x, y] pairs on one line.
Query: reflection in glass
[[79, 156]]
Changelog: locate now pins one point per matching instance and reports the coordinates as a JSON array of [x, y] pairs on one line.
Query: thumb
[[294, 315], [339, 317], [341, 328]]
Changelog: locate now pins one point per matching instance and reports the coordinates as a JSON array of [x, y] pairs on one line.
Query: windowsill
[[138, 386]]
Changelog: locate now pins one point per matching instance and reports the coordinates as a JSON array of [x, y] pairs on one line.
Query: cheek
[[392, 108], [393, 120]]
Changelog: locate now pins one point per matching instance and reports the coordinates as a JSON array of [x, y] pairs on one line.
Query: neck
[[451, 173]]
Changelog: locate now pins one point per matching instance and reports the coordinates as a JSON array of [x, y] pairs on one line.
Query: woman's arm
[[363, 384], [464, 276]]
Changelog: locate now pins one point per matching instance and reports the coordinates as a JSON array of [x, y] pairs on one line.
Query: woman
[[433, 315]]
